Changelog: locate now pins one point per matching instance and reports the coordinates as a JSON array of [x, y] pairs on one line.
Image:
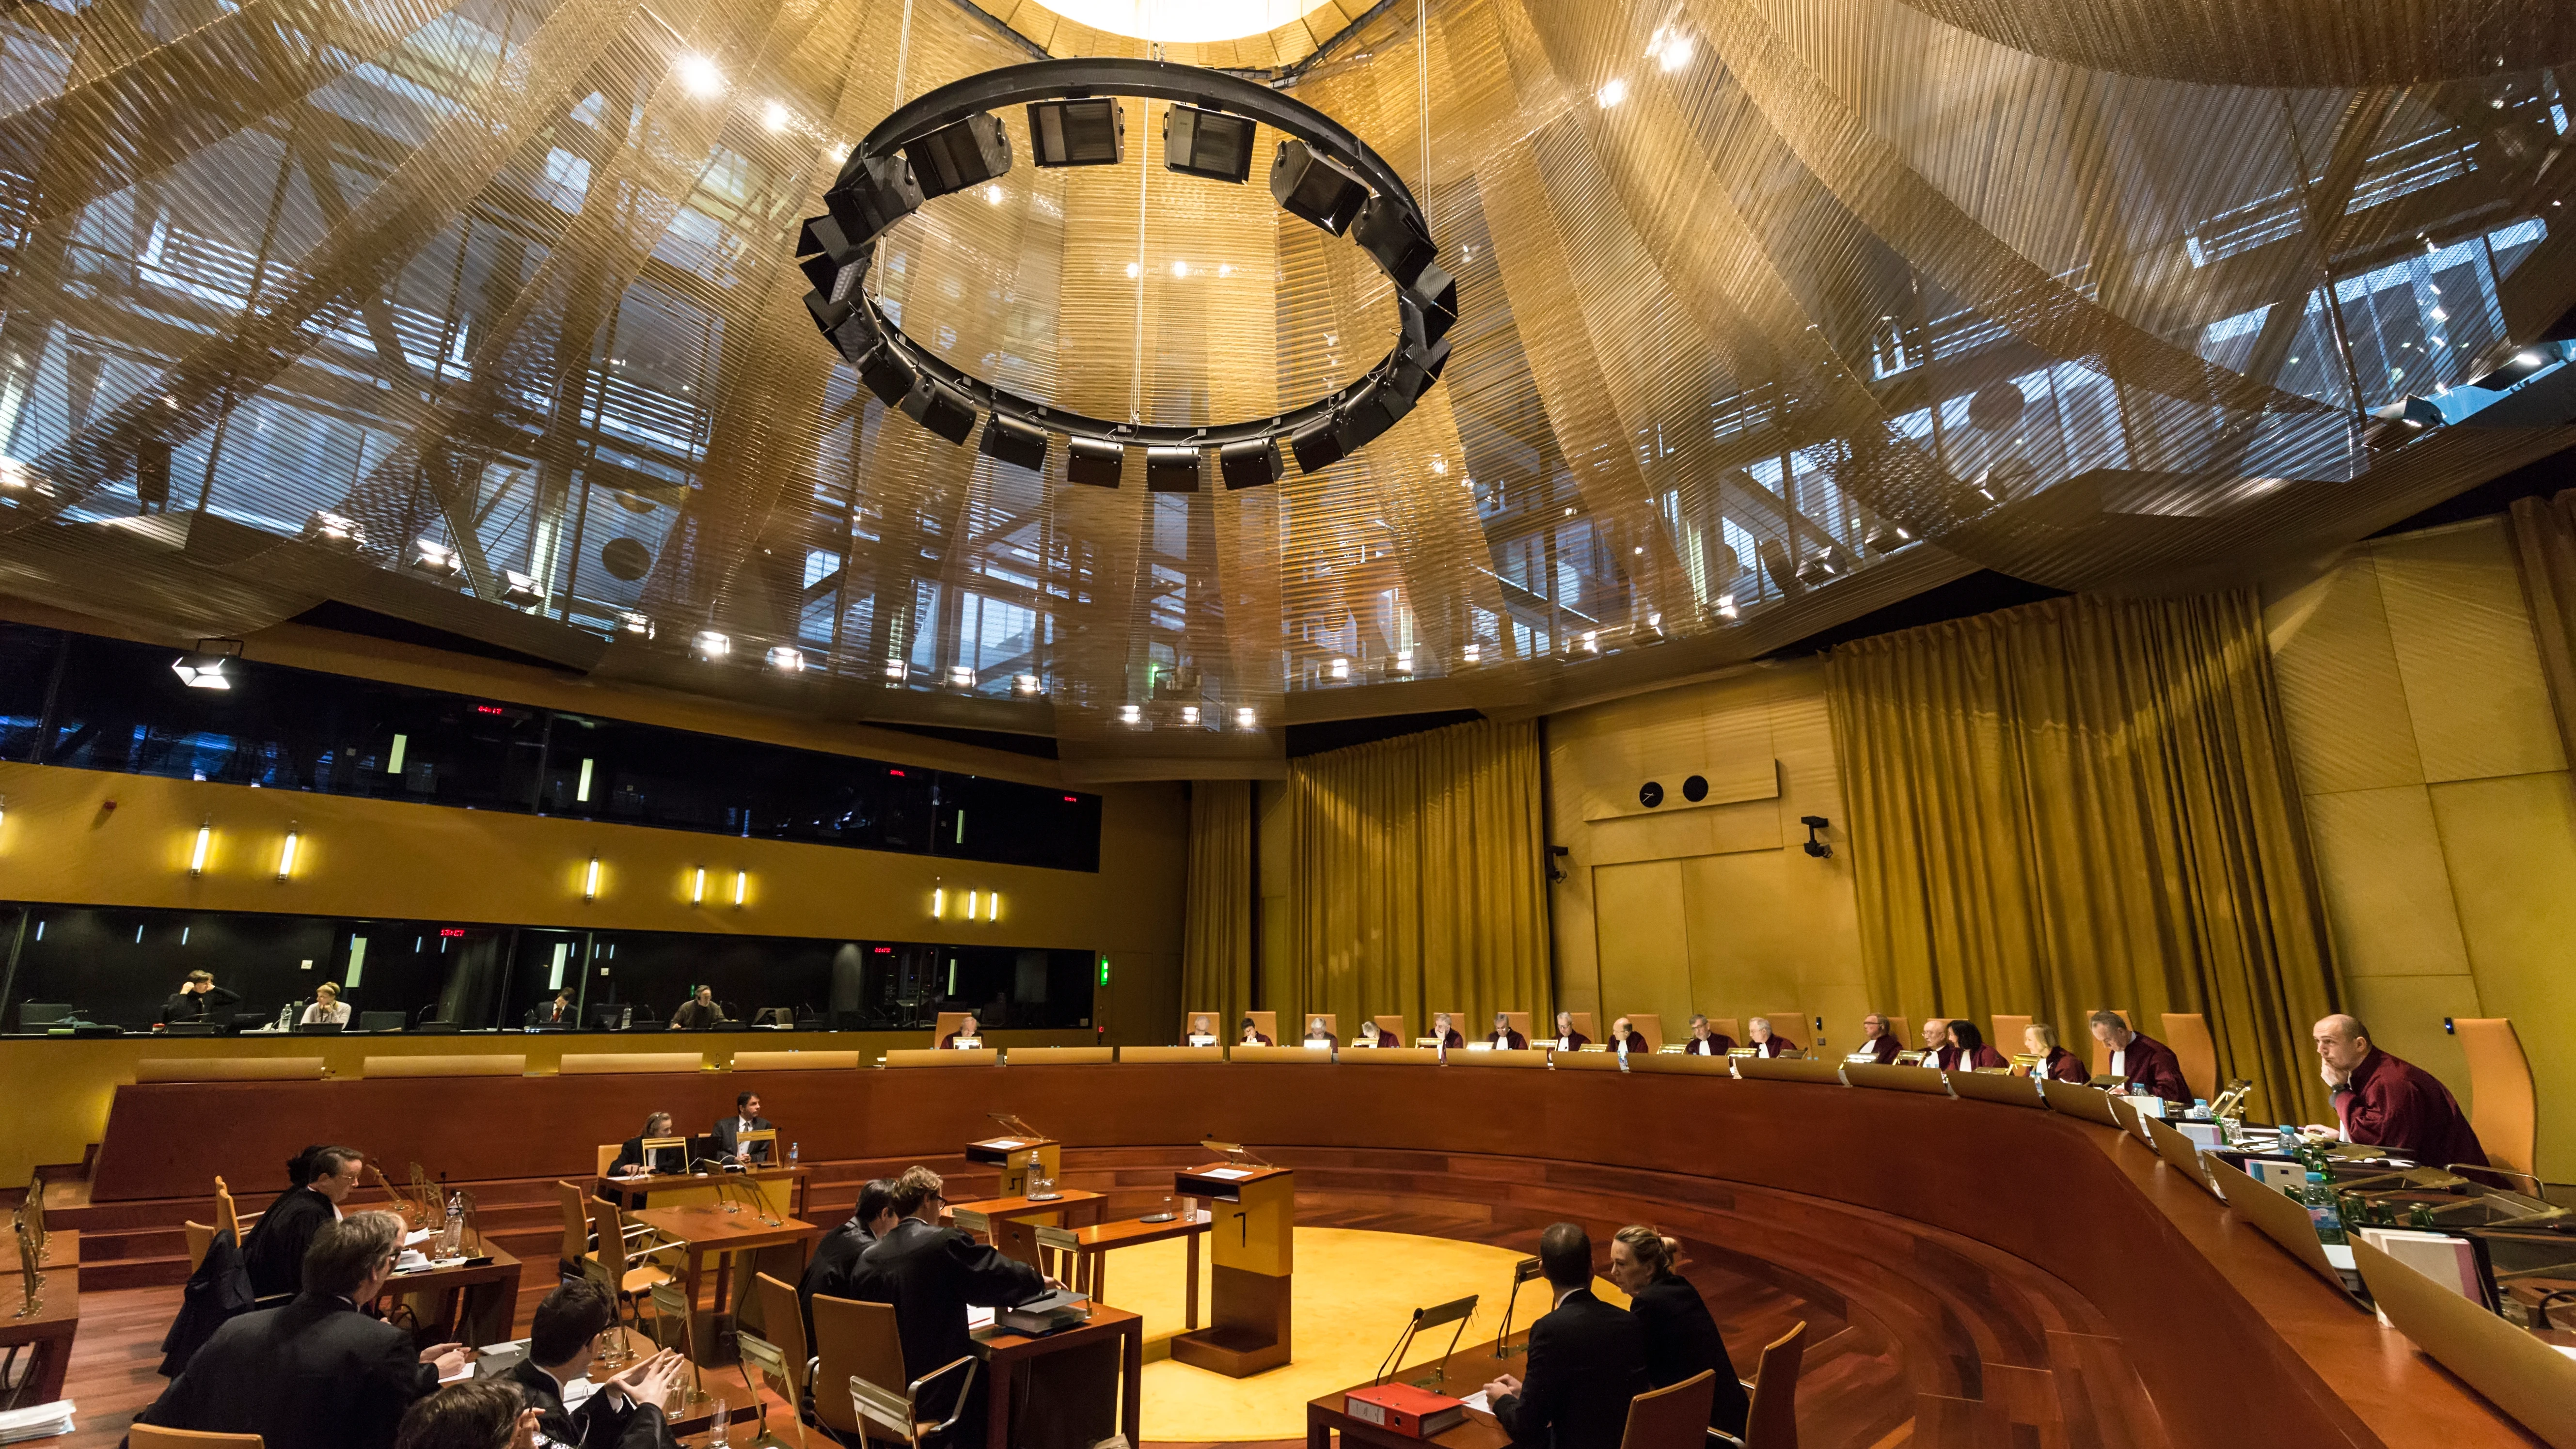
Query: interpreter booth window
[[120, 967], [121, 707], [605, 769], [1009, 823], [754, 977], [26, 674]]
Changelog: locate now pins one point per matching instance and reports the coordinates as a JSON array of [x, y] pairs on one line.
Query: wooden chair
[[2187, 1032], [2005, 1032], [1772, 1421], [610, 1265], [201, 1240], [2503, 1109], [1059, 1253], [608, 1155], [843, 1350], [779, 1351], [1650, 1025], [949, 1021], [1790, 1026], [1674, 1417], [1265, 1022], [1727, 1027], [1903, 1030], [228, 1219], [671, 1300], [888, 1406], [1519, 1021], [1216, 1027], [1390, 1031], [145, 1436], [1582, 1024]]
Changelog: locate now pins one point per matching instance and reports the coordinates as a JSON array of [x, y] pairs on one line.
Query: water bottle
[[791, 1154], [451, 1240], [286, 1017], [2322, 1210], [626, 1018], [2200, 1109]]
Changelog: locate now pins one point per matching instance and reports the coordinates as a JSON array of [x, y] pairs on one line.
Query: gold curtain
[[1419, 882], [2544, 540], [1216, 927], [2081, 804]]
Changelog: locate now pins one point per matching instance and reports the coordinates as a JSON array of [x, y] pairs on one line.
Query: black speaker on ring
[[1173, 470], [1307, 183], [941, 408], [1207, 143], [1008, 440], [952, 158], [1096, 461], [1251, 463], [1388, 232], [886, 374], [1318, 445]]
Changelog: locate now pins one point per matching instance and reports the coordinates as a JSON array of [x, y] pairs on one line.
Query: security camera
[[1814, 846]]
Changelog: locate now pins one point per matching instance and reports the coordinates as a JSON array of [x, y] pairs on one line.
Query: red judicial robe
[[2396, 1104], [1777, 1046], [1328, 1039], [949, 1042], [1717, 1045], [1883, 1047], [1575, 1041], [1941, 1056], [1637, 1042], [1509, 1041], [1256, 1039], [1984, 1056], [2150, 1066], [1451, 1038], [2065, 1066]]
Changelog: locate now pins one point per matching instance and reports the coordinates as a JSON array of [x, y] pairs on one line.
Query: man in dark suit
[[834, 1270], [931, 1274], [729, 1132], [316, 1373], [623, 1413], [273, 1254], [197, 999], [1586, 1359]]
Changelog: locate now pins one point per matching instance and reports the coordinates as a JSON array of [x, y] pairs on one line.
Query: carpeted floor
[[1353, 1292]]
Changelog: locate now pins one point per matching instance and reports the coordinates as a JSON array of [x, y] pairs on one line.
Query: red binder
[[1404, 1409]]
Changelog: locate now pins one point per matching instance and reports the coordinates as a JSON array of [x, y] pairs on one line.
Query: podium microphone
[[1522, 1272]]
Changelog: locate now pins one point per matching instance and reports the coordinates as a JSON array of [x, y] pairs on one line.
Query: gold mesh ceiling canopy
[[483, 314]]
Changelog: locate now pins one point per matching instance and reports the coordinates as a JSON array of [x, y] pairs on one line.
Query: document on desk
[[1476, 1401], [978, 1319], [1228, 1173]]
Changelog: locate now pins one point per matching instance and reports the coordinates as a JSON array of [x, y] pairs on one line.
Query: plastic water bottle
[[286, 1017], [626, 1018], [451, 1240], [2200, 1109], [791, 1154], [2322, 1210]]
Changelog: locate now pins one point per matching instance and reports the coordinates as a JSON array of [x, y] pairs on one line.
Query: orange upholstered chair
[[2502, 1106], [2187, 1032]]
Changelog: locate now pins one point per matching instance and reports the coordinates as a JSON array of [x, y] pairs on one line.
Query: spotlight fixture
[[1207, 143], [947, 140], [952, 158], [1339, 669], [1190, 714], [1172, 470], [1473, 653], [334, 530], [1025, 684], [698, 886], [1008, 440], [1814, 846], [1309, 184], [436, 559], [741, 887], [631, 622], [209, 665], [1088, 132], [1250, 463], [787, 658], [1886, 537], [519, 590], [712, 646], [1096, 461], [700, 76], [1726, 607], [1131, 714]]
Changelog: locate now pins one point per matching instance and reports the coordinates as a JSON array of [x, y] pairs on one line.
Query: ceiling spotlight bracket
[[953, 133]]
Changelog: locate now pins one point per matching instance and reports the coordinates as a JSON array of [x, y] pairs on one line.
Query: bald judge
[[2384, 1102], [2146, 1066]]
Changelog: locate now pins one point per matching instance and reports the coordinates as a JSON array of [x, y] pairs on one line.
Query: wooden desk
[[1013, 1217], [470, 1303], [1095, 1243], [1255, 1247], [1466, 1371], [49, 1330], [1020, 1158], [775, 1248], [783, 1188], [1007, 1357]]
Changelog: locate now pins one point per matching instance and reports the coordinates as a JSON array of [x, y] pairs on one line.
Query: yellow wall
[[2437, 797], [1713, 909]]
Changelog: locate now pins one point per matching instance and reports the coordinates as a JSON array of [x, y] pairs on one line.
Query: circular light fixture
[[948, 141]]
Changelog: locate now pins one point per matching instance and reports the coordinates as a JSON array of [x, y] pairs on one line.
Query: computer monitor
[[381, 1021], [45, 1013], [318, 1028], [605, 1013]]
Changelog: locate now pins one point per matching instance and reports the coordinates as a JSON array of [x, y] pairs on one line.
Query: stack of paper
[[39, 1422]]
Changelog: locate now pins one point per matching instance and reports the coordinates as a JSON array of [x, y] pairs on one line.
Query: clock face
[[1650, 794]]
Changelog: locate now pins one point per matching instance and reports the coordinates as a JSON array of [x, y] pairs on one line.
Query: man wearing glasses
[[931, 1274]]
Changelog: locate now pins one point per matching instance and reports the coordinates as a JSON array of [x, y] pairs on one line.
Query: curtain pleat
[[2081, 804], [2544, 541], [1419, 883], [1216, 928]]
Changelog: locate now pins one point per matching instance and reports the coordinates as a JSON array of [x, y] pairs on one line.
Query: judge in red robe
[[1504, 1038], [1252, 1035], [1937, 1051], [1567, 1038], [1968, 1049], [1317, 1031], [967, 1032], [2384, 1102], [2146, 1066], [2056, 1063], [1446, 1034], [1769, 1043], [1706, 1040], [1368, 1036], [1876, 1041], [1625, 1036]]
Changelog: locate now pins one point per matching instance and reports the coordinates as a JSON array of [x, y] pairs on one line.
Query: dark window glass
[[122, 708], [26, 668], [1014, 824], [605, 769]]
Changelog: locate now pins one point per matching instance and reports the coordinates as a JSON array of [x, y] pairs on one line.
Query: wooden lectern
[[1253, 1236], [1022, 1153]]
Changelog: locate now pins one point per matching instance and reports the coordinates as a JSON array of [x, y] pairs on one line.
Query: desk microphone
[[758, 1207]]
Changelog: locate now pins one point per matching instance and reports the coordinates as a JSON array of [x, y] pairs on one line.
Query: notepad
[[37, 1421], [1225, 1172], [1477, 1402]]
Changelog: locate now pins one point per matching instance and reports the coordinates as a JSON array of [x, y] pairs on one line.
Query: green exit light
[[1104, 970]]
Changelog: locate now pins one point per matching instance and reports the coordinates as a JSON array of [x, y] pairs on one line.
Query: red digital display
[[489, 709], [894, 772], [885, 950], [451, 931], [1073, 799]]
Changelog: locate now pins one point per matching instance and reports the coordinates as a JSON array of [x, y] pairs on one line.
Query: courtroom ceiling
[[485, 314]]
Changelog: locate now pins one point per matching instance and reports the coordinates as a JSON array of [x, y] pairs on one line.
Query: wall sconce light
[[590, 881], [939, 904], [993, 906], [741, 887], [197, 857], [698, 886], [286, 853], [970, 905]]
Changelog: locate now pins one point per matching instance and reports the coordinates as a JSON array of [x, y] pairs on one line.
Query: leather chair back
[[2503, 1109], [2187, 1032]]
